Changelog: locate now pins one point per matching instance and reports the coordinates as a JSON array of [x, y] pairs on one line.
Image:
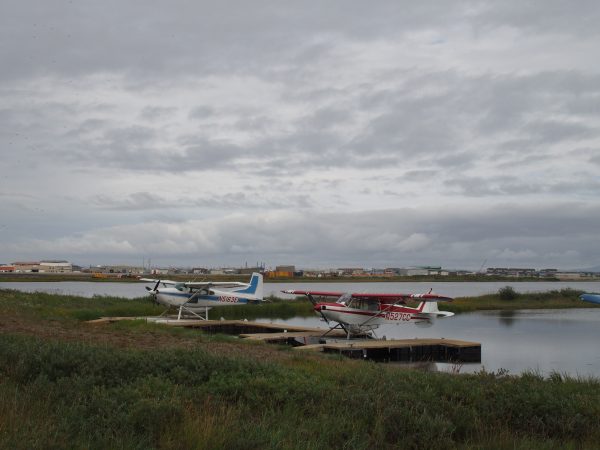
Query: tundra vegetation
[[65, 383]]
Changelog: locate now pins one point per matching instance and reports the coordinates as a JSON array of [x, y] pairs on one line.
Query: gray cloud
[[507, 233], [241, 201], [312, 134]]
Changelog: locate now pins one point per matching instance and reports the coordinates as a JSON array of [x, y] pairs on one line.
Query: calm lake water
[[544, 341], [452, 289]]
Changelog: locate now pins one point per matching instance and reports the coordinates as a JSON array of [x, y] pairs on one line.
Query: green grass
[[70, 395], [274, 308], [59, 306], [555, 299]]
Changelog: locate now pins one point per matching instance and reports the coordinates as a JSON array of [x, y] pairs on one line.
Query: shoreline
[[115, 278]]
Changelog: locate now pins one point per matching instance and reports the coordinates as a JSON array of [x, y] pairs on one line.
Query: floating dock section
[[438, 350], [329, 341]]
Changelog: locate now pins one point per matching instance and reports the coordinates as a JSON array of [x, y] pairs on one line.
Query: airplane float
[[197, 297], [362, 313], [592, 298]]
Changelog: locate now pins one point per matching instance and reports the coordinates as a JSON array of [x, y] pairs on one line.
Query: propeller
[[154, 291], [314, 303]]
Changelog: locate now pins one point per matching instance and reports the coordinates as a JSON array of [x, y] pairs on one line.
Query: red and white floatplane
[[359, 313]]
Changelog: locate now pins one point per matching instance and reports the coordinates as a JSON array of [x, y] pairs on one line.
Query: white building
[[56, 266]]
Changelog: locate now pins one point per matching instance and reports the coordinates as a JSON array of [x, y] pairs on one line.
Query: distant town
[[287, 271]]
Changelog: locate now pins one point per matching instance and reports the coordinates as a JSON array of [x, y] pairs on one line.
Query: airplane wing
[[196, 284], [314, 293], [153, 280], [431, 297], [383, 298], [402, 298], [387, 299], [224, 284]]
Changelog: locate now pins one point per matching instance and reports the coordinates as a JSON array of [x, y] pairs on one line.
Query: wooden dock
[[311, 339], [438, 350]]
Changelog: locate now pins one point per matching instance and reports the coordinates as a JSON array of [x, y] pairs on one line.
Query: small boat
[[592, 298]]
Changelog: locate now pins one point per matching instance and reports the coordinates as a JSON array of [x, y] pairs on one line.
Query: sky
[[339, 133]]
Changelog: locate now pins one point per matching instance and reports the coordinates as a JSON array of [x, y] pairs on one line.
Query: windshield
[[345, 298]]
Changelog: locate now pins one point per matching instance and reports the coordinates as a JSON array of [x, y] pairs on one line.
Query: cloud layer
[[194, 133]]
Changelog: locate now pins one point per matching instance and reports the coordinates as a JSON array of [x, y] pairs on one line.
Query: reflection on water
[[507, 318], [542, 341]]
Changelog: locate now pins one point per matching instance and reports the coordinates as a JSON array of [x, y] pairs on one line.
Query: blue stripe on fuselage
[[205, 298]]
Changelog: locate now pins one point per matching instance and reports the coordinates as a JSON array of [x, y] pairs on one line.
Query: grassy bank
[[507, 299], [56, 394]]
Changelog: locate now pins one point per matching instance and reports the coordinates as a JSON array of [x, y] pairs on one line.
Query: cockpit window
[[364, 304], [345, 299]]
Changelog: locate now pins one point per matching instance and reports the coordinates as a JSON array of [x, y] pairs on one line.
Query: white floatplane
[[361, 313], [197, 297]]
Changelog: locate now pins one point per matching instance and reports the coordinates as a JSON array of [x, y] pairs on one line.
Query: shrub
[[507, 293]]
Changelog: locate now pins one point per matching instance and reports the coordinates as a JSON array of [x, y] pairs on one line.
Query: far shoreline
[[126, 278]]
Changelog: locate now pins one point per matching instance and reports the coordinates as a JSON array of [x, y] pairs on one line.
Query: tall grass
[[68, 395], [274, 308], [56, 306]]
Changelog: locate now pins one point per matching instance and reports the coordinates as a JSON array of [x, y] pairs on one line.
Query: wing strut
[[182, 307]]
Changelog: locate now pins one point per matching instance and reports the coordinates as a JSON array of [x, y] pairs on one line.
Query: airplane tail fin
[[430, 309], [255, 287]]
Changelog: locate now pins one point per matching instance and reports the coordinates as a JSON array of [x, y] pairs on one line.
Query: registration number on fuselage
[[228, 299], [398, 316]]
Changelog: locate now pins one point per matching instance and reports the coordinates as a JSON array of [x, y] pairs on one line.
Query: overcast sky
[[321, 134]]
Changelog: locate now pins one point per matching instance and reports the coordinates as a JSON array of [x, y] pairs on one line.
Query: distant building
[[413, 271], [511, 271], [6, 268], [224, 271], [319, 273], [56, 266], [350, 271], [545, 273], [250, 270], [27, 266], [568, 275]]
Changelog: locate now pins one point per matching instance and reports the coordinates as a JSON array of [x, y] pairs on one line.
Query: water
[[452, 289], [543, 341]]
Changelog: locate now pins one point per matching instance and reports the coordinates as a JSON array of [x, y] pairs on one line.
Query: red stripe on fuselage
[[336, 307]]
